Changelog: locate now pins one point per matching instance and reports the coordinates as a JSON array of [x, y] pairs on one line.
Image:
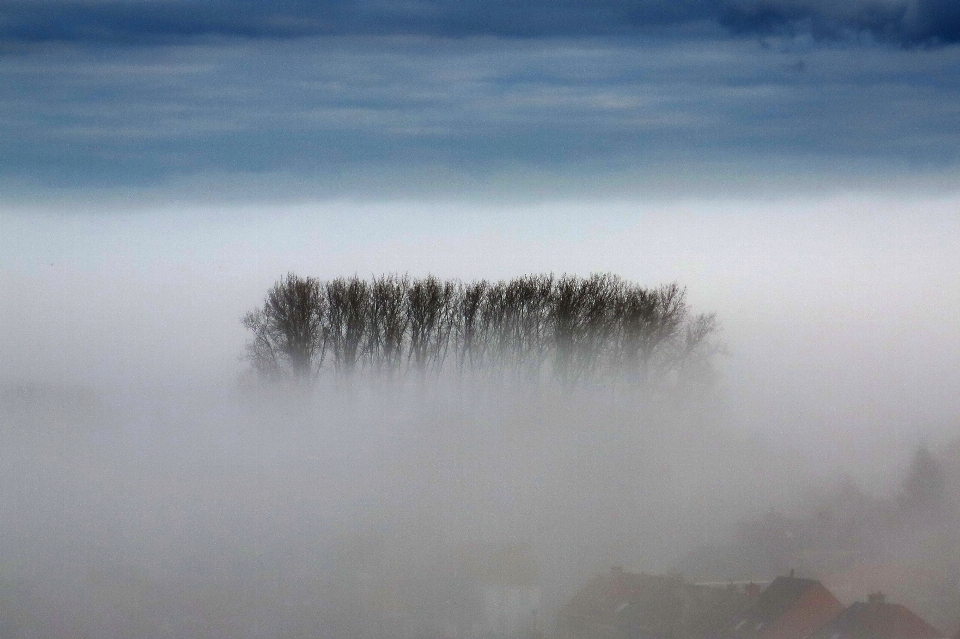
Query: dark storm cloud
[[907, 22], [327, 111]]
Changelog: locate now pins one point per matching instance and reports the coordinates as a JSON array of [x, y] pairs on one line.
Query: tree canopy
[[536, 327]]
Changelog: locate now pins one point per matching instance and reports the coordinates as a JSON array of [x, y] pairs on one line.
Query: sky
[[794, 163]]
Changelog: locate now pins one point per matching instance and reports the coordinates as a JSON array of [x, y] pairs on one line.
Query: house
[[714, 619], [789, 608], [497, 593], [626, 605], [927, 588], [877, 619]]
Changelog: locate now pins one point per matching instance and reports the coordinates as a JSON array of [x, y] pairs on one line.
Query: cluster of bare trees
[[536, 326]]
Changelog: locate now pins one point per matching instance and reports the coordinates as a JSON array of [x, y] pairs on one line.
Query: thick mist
[[154, 486], [261, 512], [346, 511]]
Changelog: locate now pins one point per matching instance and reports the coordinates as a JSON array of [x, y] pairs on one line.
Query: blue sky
[[793, 162]]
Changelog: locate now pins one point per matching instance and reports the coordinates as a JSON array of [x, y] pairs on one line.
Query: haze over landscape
[[791, 166]]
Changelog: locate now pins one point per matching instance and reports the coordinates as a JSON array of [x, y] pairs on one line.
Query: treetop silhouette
[[536, 327]]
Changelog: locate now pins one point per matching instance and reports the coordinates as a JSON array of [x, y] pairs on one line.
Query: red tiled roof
[[894, 621], [876, 620], [790, 608], [815, 607]]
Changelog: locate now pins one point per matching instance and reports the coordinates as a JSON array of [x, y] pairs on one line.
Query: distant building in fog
[[622, 605], [789, 608], [499, 594], [626, 605], [877, 619]]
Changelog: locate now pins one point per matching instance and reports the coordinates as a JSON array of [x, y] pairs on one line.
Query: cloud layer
[[904, 22], [349, 114]]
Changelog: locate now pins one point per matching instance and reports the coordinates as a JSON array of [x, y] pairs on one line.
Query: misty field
[[378, 462]]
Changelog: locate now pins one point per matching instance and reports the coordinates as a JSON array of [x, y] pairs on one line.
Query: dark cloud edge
[[131, 22]]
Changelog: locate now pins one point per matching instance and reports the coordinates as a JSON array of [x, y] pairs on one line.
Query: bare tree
[[536, 326], [347, 302], [924, 488], [288, 337], [650, 321], [429, 312], [387, 323], [527, 301], [583, 321], [468, 322]]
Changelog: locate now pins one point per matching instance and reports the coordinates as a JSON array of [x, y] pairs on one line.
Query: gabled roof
[[878, 620], [714, 618], [623, 604], [789, 608], [605, 594], [778, 597]]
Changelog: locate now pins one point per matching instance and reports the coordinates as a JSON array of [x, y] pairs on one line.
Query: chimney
[[791, 573], [876, 598]]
